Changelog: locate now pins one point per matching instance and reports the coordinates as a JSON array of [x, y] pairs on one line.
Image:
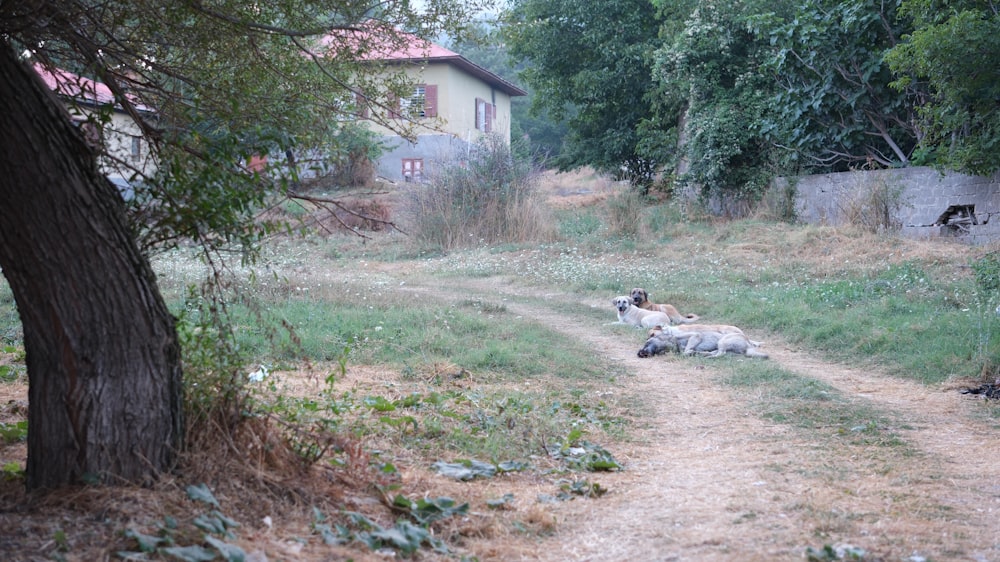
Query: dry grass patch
[[578, 188]]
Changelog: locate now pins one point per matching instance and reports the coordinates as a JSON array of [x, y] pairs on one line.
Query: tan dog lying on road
[[640, 298], [632, 315], [708, 343], [721, 328]]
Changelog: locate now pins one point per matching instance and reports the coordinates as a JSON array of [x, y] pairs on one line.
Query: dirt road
[[712, 479]]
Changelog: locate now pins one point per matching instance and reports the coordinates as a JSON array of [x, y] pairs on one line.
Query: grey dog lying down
[[708, 343]]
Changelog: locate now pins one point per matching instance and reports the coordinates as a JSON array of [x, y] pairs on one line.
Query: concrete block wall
[[434, 150], [932, 203]]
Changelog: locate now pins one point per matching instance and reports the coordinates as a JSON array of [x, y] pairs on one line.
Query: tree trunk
[[104, 376]]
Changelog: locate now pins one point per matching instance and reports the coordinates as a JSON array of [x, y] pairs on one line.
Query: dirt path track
[[710, 479]]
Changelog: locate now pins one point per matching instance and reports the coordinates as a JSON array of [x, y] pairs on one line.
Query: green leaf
[[203, 494], [192, 553], [328, 536], [402, 501], [410, 401], [147, 543], [427, 511], [379, 404], [215, 523], [573, 436], [465, 469], [500, 502], [399, 422], [404, 536], [229, 552], [360, 520], [512, 466], [12, 471], [209, 524]]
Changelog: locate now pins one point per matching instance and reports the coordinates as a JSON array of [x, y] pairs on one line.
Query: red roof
[[82, 89], [409, 48]]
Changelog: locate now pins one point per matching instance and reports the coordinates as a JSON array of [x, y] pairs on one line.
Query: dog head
[[639, 296], [622, 303], [659, 343]]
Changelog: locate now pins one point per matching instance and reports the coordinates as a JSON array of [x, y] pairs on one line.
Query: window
[[423, 103], [413, 169], [414, 105], [486, 114], [136, 148]]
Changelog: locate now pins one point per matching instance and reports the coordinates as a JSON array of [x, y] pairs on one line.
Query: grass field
[[382, 354]]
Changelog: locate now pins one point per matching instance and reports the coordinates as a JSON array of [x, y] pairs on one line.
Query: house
[[126, 156], [454, 103]]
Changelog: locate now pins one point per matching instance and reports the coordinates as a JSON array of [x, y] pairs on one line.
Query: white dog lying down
[[632, 315], [707, 343]]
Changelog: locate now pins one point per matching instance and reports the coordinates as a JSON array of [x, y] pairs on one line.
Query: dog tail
[[686, 319], [752, 352]]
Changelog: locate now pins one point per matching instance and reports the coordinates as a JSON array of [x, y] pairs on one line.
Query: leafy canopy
[[834, 108], [953, 51], [708, 72], [588, 62]]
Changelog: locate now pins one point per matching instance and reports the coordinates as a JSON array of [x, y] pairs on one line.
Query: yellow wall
[[457, 93]]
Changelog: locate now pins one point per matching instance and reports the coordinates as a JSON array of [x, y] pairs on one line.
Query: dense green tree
[[591, 58], [227, 79], [835, 108], [953, 52], [708, 74]]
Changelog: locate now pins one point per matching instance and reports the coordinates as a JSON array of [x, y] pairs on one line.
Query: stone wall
[[930, 203]]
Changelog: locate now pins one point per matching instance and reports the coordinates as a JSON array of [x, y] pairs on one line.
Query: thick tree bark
[[104, 375]]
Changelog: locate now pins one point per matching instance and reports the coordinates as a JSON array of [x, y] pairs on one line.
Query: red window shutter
[[430, 100]]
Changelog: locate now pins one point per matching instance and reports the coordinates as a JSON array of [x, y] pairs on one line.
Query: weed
[[873, 204], [404, 538], [215, 527], [13, 432], [582, 488], [13, 471], [579, 225], [987, 293], [490, 198], [625, 211]]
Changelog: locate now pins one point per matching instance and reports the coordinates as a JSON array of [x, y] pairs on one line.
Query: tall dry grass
[[490, 199], [873, 204]]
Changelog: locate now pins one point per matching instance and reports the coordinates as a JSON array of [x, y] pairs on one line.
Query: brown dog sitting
[[640, 298]]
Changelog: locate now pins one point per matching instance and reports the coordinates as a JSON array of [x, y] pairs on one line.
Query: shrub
[[987, 276], [625, 212], [491, 198]]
